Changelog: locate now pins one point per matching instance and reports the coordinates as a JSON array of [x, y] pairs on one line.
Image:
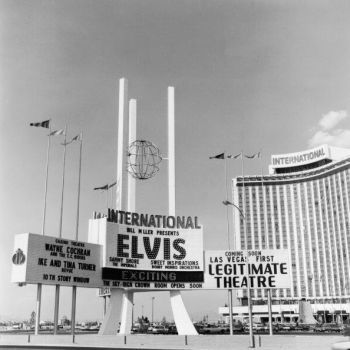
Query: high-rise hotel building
[[302, 205]]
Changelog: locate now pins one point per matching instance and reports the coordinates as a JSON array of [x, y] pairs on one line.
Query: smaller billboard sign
[[52, 260], [242, 269]]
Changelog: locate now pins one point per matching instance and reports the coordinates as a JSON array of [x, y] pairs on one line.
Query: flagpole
[[269, 298], [250, 306], [57, 291], [107, 192], [227, 209], [39, 285], [79, 179], [74, 289], [229, 247], [62, 191], [46, 181]]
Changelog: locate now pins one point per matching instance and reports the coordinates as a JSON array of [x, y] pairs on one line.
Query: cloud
[[331, 119], [330, 135]]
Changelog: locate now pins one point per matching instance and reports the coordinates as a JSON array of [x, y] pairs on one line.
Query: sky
[[249, 76]]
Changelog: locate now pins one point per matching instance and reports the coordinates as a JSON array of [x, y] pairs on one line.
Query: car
[[332, 328], [213, 329], [172, 329], [237, 328], [257, 327], [199, 327], [304, 328], [318, 328], [286, 327], [159, 330]]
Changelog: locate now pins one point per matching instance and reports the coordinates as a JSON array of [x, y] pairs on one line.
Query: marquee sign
[[52, 260], [300, 158], [240, 269]]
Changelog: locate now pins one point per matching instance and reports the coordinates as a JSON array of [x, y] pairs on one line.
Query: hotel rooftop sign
[[300, 158]]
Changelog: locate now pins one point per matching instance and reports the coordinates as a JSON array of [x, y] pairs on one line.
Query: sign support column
[[269, 303], [128, 296], [113, 314], [182, 320], [39, 286], [57, 290]]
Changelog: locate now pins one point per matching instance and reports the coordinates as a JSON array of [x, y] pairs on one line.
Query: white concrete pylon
[[182, 320], [128, 296], [132, 137], [126, 312], [121, 185], [112, 317], [114, 312]]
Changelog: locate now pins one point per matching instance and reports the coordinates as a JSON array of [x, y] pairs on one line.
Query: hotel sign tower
[[303, 205]]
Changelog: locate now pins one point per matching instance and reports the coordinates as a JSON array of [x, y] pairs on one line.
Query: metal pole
[[38, 309], [79, 180], [104, 305], [74, 303], [269, 303], [152, 308], [57, 300], [107, 192], [230, 310], [250, 306], [39, 286], [46, 181], [132, 315], [57, 292], [62, 192], [229, 247], [250, 311], [74, 289]]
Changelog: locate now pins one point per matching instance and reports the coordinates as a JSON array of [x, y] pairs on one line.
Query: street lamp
[[152, 307], [226, 202], [250, 306]]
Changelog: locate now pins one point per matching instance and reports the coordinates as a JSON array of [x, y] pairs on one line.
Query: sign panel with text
[[242, 269], [149, 251], [52, 260]]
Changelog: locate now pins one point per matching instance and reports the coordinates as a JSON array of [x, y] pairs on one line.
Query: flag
[[256, 155], [105, 187], [57, 132], [44, 124], [219, 156], [239, 155], [113, 184], [75, 138]]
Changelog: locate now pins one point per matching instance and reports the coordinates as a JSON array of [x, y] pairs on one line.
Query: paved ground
[[205, 342]]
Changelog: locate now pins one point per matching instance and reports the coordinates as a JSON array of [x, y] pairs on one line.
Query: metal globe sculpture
[[143, 159]]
